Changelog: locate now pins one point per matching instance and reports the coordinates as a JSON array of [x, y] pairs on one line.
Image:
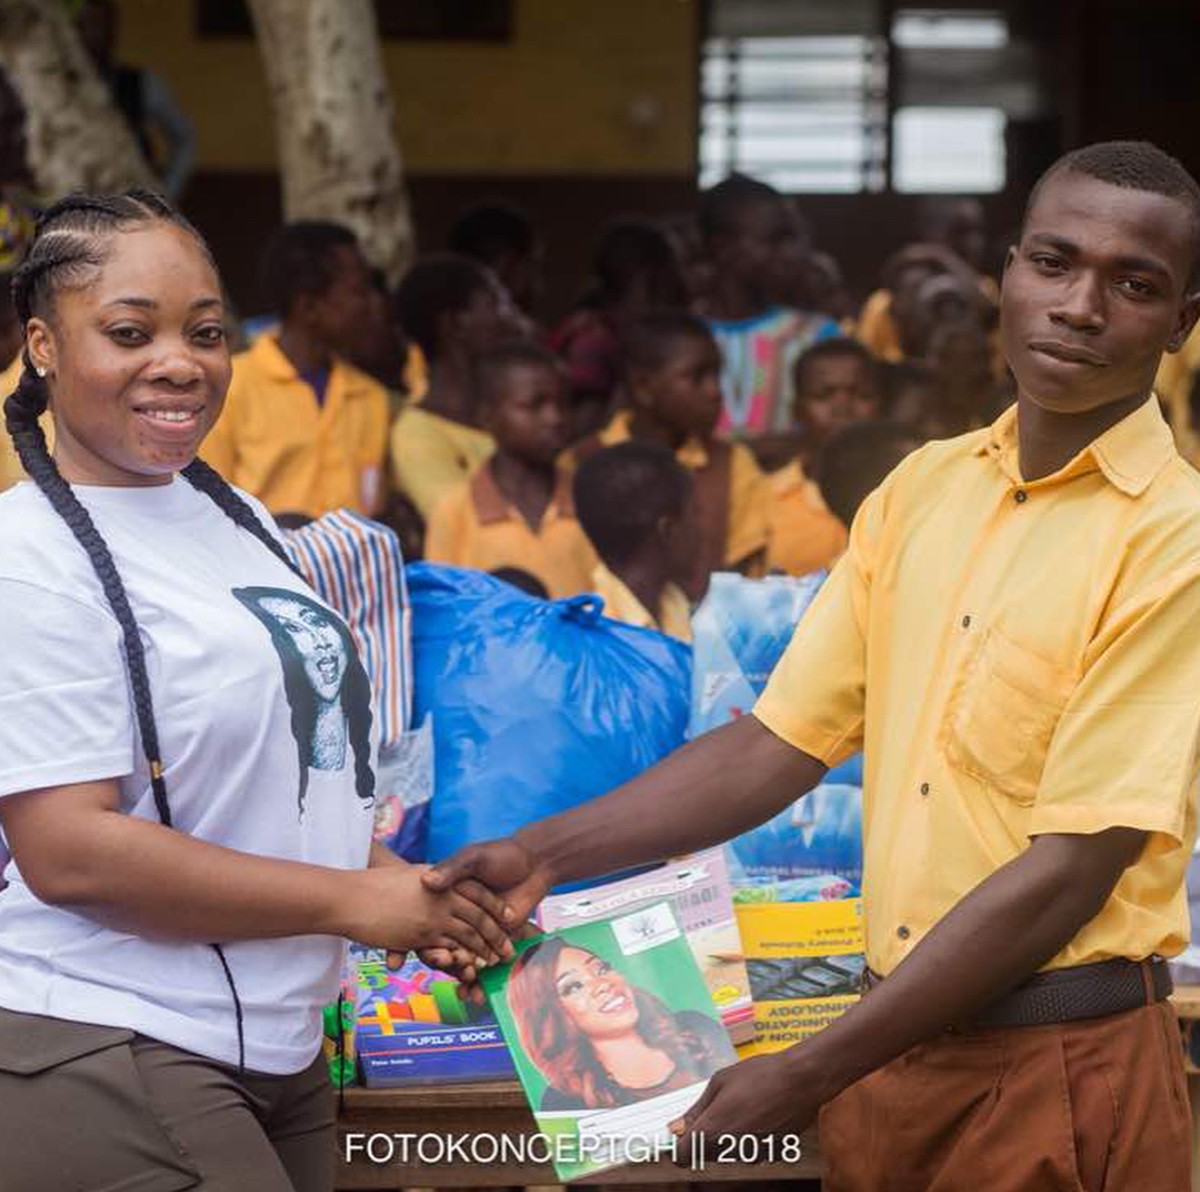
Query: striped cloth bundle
[[356, 566]]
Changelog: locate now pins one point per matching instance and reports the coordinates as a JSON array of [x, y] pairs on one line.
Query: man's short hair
[[491, 231], [721, 205], [826, 349], [646, 341], [623, 492], [490, 369], [1134, 165], [298, 259], [856, 460], [439, 284]]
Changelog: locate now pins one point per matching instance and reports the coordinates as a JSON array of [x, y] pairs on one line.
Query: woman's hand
[[391, 907]]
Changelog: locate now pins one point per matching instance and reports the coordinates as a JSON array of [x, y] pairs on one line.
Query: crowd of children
[[698, 410]]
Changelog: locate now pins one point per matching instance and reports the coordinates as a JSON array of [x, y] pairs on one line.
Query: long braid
[[69, 245], [21, 412], [214, 486]]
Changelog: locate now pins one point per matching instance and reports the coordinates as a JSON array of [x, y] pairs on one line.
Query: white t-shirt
[[221, 628]]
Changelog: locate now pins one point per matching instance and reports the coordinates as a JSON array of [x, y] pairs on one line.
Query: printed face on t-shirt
[[324, 683], [317, 642]]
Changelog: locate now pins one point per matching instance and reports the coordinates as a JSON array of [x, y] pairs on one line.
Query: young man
[[302, 429], [1011, 639], [634, 502], [516, 511], [752, 238]]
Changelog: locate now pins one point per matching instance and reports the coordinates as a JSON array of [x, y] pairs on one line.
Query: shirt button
[[903, 932], [1020, 496], [966, 621], [924, 788]]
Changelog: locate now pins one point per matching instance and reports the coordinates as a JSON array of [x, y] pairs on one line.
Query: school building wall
[[587, 109], [591, 109]]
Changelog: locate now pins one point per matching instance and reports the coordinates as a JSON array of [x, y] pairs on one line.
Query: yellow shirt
[[1013, 659], [802, 534], [877, 329], [674, 616], [1176, 376], [746, 533], [10, 466], [296, 456], [475, 526], [431, 455]]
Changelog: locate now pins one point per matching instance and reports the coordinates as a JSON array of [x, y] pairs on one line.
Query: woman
[[171, 928], [325, 684], [599, 1041]]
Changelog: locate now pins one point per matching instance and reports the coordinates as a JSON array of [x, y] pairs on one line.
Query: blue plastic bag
[[537, 705]]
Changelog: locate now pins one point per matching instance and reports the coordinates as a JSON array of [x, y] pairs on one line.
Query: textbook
[[613, 1034], [698, 888], [411, 1026], [805, 961]]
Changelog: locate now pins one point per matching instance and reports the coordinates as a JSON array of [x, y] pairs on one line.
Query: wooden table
[[489, 1111], [498, 1110]]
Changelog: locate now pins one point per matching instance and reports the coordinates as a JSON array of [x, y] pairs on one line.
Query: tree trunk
[[77, 139], [333, 116]]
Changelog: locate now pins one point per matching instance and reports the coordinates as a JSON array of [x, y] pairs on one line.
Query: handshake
[[459, 916]]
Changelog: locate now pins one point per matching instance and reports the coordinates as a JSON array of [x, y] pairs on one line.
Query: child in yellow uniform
[[836, 386], [452, 308], [634, 502], [303, 430], [517, 511], [673, 369]]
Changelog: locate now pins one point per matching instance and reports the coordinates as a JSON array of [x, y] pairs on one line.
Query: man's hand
[[506, 867], [762, 1095], [392, 908]]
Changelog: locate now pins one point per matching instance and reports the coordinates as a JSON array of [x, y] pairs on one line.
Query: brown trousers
[[99, 1109], [1090, 1106]]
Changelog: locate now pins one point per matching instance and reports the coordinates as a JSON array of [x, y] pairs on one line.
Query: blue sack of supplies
[[537, 705]]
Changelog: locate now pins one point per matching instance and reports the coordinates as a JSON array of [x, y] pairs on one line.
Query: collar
[[492, 506], [619, 599], [1129, 455], [692, 453], [269, 356]]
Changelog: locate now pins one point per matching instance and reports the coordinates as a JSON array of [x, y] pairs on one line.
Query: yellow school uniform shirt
[[296, 456], [431, 456], [1176, 376], [674, 616], [803, 535], [1014, 659], [475, 526], [748, 497], [10, 466]]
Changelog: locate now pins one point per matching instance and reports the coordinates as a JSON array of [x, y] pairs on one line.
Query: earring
[[41, 372]]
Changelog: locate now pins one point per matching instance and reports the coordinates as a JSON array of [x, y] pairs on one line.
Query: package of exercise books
[[698, 888], [613, 1034], [412, 1027], [805, 961]]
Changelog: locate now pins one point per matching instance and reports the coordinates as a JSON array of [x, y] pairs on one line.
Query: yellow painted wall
[[584, 87]]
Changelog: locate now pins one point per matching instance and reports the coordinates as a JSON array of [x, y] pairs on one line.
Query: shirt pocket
[[1003, 715]]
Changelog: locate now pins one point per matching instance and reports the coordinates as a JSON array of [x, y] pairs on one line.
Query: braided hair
[[70, 244]]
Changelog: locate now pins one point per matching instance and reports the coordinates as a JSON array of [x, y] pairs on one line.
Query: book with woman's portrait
[[614, 1035]]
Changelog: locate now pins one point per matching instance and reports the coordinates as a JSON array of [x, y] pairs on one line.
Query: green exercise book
[[613, 1034]]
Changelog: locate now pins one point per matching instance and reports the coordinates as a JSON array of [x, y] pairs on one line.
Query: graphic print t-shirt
[[253, 691]]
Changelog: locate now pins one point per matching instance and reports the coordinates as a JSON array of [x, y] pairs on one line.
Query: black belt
[[1070, 994]]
